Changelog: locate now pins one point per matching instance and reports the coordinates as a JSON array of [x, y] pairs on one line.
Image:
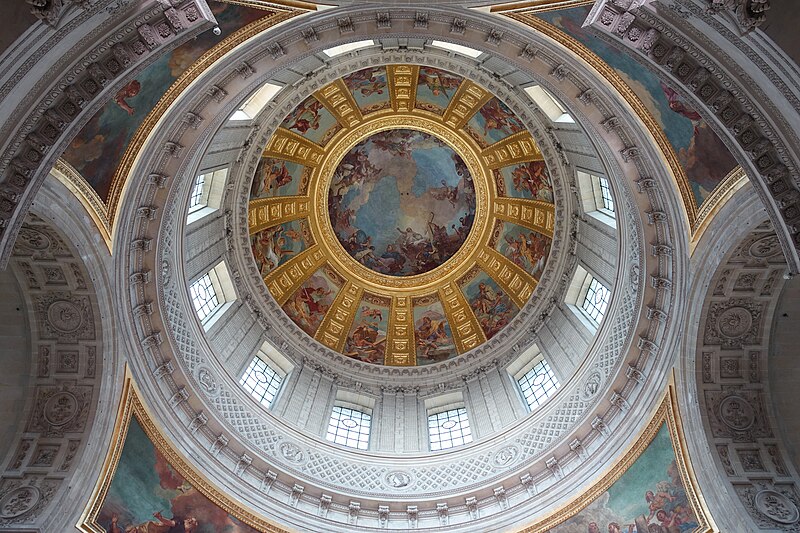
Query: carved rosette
[[734, 323]]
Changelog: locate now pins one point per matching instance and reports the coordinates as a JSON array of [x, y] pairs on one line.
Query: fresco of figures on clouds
[[147, 495], [435, 89], [366, 340], [704, 157], [433, 337], [272, 247], [401, 202], [275, 177], [492, 307], [312, 120], [369, 89], [524, 247], [97, 150], [308, 305], [529, 180], [493, 122], [650, 497]]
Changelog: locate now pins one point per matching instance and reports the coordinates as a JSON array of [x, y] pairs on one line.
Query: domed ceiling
[[401, 215]]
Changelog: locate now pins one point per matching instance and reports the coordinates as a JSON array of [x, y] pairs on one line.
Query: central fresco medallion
[[401, 202], [401, 215]]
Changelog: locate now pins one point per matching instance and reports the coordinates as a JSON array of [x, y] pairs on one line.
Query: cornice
[[47, 115]]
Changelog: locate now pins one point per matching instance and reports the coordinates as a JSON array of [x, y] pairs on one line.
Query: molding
[[91, 201], [667, 413], [735, 180], [175, 90], [44, 120], [617, 83], [743, 114], [131, 405]]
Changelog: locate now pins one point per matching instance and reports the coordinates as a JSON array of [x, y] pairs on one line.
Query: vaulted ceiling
[[285, 266]]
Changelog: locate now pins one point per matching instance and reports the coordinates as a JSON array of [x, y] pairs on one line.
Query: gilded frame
[[131, 405], [667, 412]]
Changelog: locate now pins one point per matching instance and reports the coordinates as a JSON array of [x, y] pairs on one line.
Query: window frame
[[548, 104], [590, 307], [522, 365], [210, 200], [577, 293], [225, 294], [549, 376], [256, 102], [592, 198], [438, 417], [271, 388], [340, 409]]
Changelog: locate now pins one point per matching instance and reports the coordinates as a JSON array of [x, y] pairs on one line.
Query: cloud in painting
[[86, 150]]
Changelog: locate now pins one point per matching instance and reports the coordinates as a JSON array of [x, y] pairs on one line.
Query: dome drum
[[292, 440]]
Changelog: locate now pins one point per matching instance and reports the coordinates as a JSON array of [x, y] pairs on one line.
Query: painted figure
[[276, 177], [531, 177], [492, 307], [159, 525], [379, 183], [307, 307], [498, 117], [129, 91], [368, 81], [274, 246], [367, 339], [677, 104], [431, 335], [437, 81], [306, 116]]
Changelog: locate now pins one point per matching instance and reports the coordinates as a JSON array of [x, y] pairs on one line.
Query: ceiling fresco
[[401, 202], [704, 157], [401, 215], [99, 147]]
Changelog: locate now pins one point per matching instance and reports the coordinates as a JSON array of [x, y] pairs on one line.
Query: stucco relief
[[399, 479], [64, 345], [65, 317], [734, 344], [773, 506], [776, 506], [61, 409], [22, 500], [734, 323], [737, 414]]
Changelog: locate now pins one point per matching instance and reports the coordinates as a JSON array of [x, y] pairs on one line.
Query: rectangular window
[[197, 191], [204, 296], [449, 429], [596, 300], [206, 194], [348, 47], [349, 427], [605, 194], [256, 102], [548, 104], [262, 381], [597, 199], [457, 48], [538, 384], [211, 294]]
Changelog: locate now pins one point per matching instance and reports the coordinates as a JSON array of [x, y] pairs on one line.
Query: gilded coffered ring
[[401, 215]]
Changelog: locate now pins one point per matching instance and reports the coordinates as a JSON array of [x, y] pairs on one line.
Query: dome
[[285, 266], [417, 204]]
